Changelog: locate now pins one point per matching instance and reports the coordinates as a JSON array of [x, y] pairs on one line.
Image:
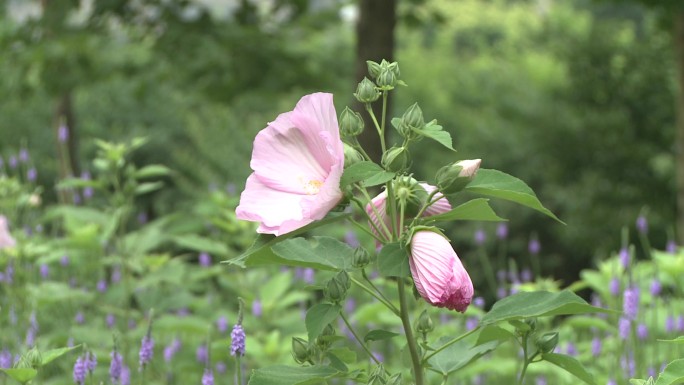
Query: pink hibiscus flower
[[298, 162], [438, 273]]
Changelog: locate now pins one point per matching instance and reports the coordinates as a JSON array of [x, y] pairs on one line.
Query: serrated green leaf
[[22, 375], [379, 335], [260, 252], [498, 184], [292, 375], [318, 317], [571, 365], [53, 354], [435, 132], [324, 253], [368, 172], [458, 355], [538, 304], [673, 373], [393, 261], [473, 210]]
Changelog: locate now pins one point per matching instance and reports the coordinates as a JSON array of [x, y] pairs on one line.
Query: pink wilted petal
[[439, 276], [6, 239], [441, 206], [297, 161]]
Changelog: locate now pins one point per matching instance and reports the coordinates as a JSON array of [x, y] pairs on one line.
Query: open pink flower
[[439, 276], [297, 161], [440, 206], [6, 239]]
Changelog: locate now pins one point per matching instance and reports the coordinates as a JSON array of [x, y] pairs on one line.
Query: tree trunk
[[374, 41], [679, 149]]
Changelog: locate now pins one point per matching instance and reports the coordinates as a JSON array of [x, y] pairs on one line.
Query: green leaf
[[197, 243], [260, 252], [51, 355], [571, 365], [673, 373], [393, 261], [148, 187], [379, 335], [152, 171], [493, 333], [458, 354], [292, 375], [368, 172], [23, 375], [324, 253], [498, 184], [538, 304], [678, 340], [473, 210], [435, 132], [318, 317]]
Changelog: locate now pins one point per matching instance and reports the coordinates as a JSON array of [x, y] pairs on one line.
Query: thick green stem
[[410, 339], [238, 370], [377, 127], [351, 329], [526, 361]]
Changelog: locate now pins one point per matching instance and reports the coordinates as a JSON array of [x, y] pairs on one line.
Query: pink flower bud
[[437, 271], [470, 167]]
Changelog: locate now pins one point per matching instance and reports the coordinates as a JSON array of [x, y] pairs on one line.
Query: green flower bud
[[424, 325], [361, 258], [532, 323], [336, 289], [455, 177], [409, 193], [33, 358], [373, 68], [324, 340], [547, 342], [394, 380], [396, 159], [394, 67], [377, 376], [343, 278], [351, 156], [366, 91], [412, 120], [301, 351], [351, 123], [387, 79]]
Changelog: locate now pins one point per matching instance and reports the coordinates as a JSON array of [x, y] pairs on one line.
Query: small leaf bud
[[351, 123], [455, 177], [366, 91], [361, 258], [424, 325], [413, 118], [547, 342], [351, 156], [301, 352], [396, 159]]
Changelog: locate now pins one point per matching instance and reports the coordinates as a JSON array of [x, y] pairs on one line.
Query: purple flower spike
[[534, 247], [642, 331], [23, 155], [624, 257], [110, 320], [13, 162], [614, 286], [208, 377], [671, 247], [44, 271], [222, 324], [480, 237], [571, 349], [31, 174], [204, 259], [221, 367], [680, 323], [63, 133], [541, 380], [102, 286], [79, 318], [624, 326], [80, 371], [351, 239], [642, 224], [116, 367], [5, 359], [202, 354], [479, 302], [146, 350], [171, 350], [670, 323], [502, 231], [630, 302], [90, 361], [596, 346], [64, 261], [656, 287], [125, 375], [237, 343], [257, 309]]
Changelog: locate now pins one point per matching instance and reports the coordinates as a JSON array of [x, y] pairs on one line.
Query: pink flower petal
[[440, 207]]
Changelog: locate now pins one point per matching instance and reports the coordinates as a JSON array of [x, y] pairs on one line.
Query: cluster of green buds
[[336, 289], [386, 74], [302, 351]]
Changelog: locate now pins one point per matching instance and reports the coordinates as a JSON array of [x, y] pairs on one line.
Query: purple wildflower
[[80, 371], [90, 361], [642, 331], [222, 324], [611, 381], [680, 323], [64, 261], [125, 375], [526, 275], [110, 319], [5, 359], [102, 285], [502, 231], [204, 259], [256, 308], [351, 239], [44, 271], [671, 247], [642, 224], [630, 302], [534, 247], [146, 350], [308, 275], [480, 237], [202, 354], [501, 292], [624, 327], [624, 257], [541, 380], [63, 133], [479, 302], [13, 162], [23, 155], [596, 346], [88, 191], [656, 287], [471, 323], [116, 275], [116, 366], [237, 343], [350, 305], [171, 349], [208, 377], [79, 318], [669, 323], [31, 174], [221, 367], [571, 349], [614, 286]]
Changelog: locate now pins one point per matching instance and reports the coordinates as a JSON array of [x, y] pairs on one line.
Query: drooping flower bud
[[547, 342], [366, 92], [396, 159], [301, 351], [438, 273], [424, 325], [351, 156], [351, 123], [361, 258], [456, 176]]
